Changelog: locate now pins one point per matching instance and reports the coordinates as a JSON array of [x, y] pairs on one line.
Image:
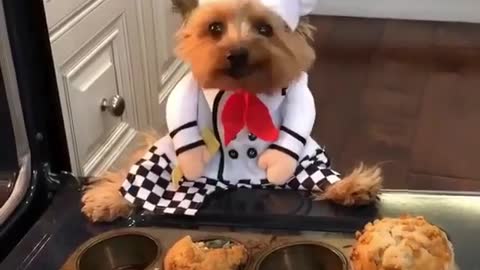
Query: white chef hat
[[289, 10]]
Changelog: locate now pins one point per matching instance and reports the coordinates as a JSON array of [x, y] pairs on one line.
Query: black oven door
[[32, 137]]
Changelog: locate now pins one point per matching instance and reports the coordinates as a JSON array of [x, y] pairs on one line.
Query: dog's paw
[[103, 202], [280, 167], [361, 187]]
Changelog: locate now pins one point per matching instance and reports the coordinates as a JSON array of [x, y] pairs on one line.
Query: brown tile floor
[[400, 92]]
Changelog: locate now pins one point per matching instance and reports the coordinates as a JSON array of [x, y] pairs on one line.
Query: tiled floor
[[403, 93]]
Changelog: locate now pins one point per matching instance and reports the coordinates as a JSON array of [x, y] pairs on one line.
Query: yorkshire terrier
[[258, 53]]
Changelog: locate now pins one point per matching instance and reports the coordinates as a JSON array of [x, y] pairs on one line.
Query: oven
[[33, 151]]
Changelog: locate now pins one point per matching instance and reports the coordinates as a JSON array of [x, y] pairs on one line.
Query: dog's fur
[[267, 55], [205, 54]]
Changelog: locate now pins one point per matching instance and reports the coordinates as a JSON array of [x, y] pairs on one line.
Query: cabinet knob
[[115, 105]]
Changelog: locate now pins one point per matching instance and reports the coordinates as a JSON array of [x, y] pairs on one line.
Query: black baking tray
[[266, 209]]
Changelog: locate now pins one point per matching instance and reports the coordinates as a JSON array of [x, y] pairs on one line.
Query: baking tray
[[145, 248]]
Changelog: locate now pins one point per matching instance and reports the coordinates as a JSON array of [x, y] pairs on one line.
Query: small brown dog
[[259, 52]]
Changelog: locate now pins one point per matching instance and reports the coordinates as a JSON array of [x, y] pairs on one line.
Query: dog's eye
[[216, 29], [264, 29]]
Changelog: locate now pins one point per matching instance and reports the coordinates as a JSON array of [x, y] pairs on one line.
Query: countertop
[[63, 228]]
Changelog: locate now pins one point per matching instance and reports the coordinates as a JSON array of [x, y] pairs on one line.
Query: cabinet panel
[[166, 24], [58, 10], [87, 84], [94, 62]]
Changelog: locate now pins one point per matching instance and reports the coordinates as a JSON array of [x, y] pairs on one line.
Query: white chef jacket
[[190, 109]]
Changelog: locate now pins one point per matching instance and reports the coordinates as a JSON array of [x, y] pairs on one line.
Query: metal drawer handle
[[115, 105]]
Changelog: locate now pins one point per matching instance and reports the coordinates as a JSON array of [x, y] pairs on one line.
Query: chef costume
[[237, 127]]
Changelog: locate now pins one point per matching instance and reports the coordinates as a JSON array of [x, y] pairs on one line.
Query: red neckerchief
[[243, 109]]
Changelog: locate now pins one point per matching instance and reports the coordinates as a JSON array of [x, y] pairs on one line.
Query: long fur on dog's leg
[[102, 200], [361, 187]]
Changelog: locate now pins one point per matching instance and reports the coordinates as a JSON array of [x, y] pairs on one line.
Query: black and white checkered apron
[[149, 184]]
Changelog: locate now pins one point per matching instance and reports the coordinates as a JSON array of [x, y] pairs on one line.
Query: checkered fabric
[[148, 183]]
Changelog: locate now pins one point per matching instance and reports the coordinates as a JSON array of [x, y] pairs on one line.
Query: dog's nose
[[238, 57]]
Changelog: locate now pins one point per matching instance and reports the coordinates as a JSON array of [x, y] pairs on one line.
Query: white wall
[[435, 10]]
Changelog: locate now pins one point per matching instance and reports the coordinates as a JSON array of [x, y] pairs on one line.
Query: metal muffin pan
[[145, 249], [121, 251], [306, 255]]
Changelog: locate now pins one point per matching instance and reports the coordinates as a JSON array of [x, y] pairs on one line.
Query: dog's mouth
[[241, 72], [238, 73]]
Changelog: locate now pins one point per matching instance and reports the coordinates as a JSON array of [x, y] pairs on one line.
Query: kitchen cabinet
[[115, 65]]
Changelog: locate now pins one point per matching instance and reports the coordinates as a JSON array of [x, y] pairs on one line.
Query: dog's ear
[[184, 7]]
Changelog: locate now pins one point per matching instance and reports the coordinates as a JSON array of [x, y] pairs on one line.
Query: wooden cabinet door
[[98, 57]]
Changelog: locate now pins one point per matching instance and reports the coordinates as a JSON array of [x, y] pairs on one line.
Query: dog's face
[[240, 44]]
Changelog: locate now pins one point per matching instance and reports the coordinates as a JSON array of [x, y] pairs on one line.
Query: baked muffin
[[405, 243], [188, 255]]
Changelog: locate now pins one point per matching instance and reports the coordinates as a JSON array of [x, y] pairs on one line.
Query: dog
[[259, 45]]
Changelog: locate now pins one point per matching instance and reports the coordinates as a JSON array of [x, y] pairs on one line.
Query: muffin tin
[[302, 255], [145, 249], [129, 251]]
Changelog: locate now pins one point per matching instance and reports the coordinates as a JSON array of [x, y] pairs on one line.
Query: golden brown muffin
[[405, 243], [187, 255]]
